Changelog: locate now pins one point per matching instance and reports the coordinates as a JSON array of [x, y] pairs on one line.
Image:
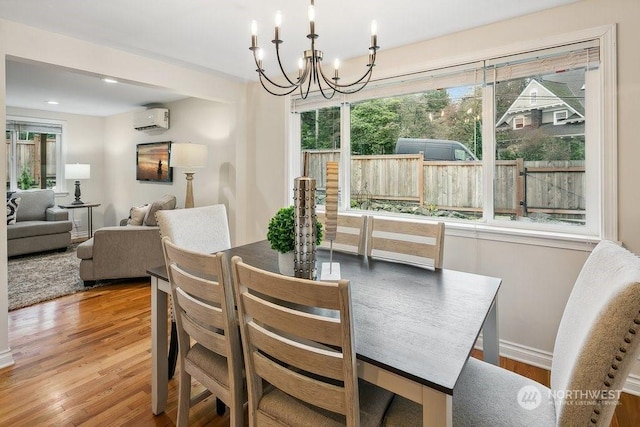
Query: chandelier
[[310, 65]]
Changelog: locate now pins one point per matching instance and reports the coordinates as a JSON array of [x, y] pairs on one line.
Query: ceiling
[[214, 36]]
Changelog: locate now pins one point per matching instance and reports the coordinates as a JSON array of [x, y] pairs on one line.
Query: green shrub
[[25, 181]]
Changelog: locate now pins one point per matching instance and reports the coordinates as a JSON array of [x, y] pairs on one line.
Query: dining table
[[415, 327]]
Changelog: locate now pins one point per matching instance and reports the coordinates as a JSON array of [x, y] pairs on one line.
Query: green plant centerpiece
[[281, 233]]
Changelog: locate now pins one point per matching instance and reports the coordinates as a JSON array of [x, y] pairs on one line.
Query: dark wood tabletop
[[413, 321]]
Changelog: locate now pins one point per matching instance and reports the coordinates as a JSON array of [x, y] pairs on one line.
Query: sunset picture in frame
[[152, 162]]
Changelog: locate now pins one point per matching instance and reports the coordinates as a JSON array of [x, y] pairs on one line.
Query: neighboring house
[[555, 107]]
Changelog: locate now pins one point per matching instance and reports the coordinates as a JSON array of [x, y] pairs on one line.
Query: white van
[[435, 149]]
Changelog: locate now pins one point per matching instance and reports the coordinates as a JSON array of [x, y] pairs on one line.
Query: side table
[[89, 207]]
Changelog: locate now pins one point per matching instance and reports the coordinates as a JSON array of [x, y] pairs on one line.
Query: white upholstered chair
[[207, 326], [409, 241], [307, 361], [350, 235], [201, 229], [596, 346]]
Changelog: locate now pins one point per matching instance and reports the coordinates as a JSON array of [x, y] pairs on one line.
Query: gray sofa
[[40, 224], [125, 251]]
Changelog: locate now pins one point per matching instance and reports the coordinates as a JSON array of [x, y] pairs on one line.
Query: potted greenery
[[281, 236]]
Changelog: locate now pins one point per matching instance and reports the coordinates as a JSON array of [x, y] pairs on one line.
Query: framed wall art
[[152, 162]]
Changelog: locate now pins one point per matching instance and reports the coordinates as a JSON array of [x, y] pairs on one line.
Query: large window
[[515, 139], [320, 143], [32, 154]]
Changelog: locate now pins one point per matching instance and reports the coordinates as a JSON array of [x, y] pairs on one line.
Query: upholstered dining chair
[[350, 235], [201, 229], [207, 326], [409, 241], [596, 346], [300, 361]]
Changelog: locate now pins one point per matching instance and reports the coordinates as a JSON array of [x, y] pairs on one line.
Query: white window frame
[[61, 184], [602, 207], [557, 120], [518, 119]]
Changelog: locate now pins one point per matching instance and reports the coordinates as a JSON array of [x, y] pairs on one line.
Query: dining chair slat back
[[207, 328], [411, 241], [297, 338], [350, 234], [202, 229]]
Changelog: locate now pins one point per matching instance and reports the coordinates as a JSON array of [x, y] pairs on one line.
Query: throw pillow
[[167, 202], [12, 210], [137, 214]]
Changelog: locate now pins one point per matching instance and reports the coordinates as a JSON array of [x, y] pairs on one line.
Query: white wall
[[191, 120], [536, 279]]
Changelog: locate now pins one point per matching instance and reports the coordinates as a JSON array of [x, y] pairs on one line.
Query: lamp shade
[[77, 171], [188, 156]]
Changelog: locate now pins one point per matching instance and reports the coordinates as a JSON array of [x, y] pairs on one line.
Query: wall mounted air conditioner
[[152, 119]]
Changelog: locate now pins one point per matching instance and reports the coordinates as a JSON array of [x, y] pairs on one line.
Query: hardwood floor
[[85, 359]]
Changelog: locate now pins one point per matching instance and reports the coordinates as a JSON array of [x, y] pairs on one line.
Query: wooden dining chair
[[350, 236], [596, 346], [207, 326], [410, 241], [202, 229], [300, 362]]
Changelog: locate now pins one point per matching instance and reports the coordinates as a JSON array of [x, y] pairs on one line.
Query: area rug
[[42, 277]]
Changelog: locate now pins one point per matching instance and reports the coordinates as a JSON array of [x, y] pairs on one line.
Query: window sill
[[522, 236], [498, 233]]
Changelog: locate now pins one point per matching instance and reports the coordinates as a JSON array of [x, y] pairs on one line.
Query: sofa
[[35, 223], [127, 250]]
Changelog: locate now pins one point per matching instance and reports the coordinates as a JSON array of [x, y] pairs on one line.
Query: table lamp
[[77, 171], [190, 157]]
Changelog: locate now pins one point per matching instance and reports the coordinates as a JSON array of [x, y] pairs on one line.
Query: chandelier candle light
[[310, 64], [77, 172]]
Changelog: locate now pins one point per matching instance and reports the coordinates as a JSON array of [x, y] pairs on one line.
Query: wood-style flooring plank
[[85, 360]]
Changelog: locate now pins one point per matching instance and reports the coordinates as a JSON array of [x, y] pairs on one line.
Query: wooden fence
[[28, 155], [520, 188]]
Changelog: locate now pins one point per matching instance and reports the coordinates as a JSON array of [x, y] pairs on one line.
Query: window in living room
[[32, 154], [480, 142]]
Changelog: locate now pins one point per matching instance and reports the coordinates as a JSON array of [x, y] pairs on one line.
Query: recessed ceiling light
[[108, 80], [53, 102]]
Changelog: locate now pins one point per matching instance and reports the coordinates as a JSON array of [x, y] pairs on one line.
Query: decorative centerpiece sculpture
[[331, 270], [304, 202]]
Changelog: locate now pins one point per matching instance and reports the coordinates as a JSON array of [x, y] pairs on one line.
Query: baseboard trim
[[542, 359], [6, 359]]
